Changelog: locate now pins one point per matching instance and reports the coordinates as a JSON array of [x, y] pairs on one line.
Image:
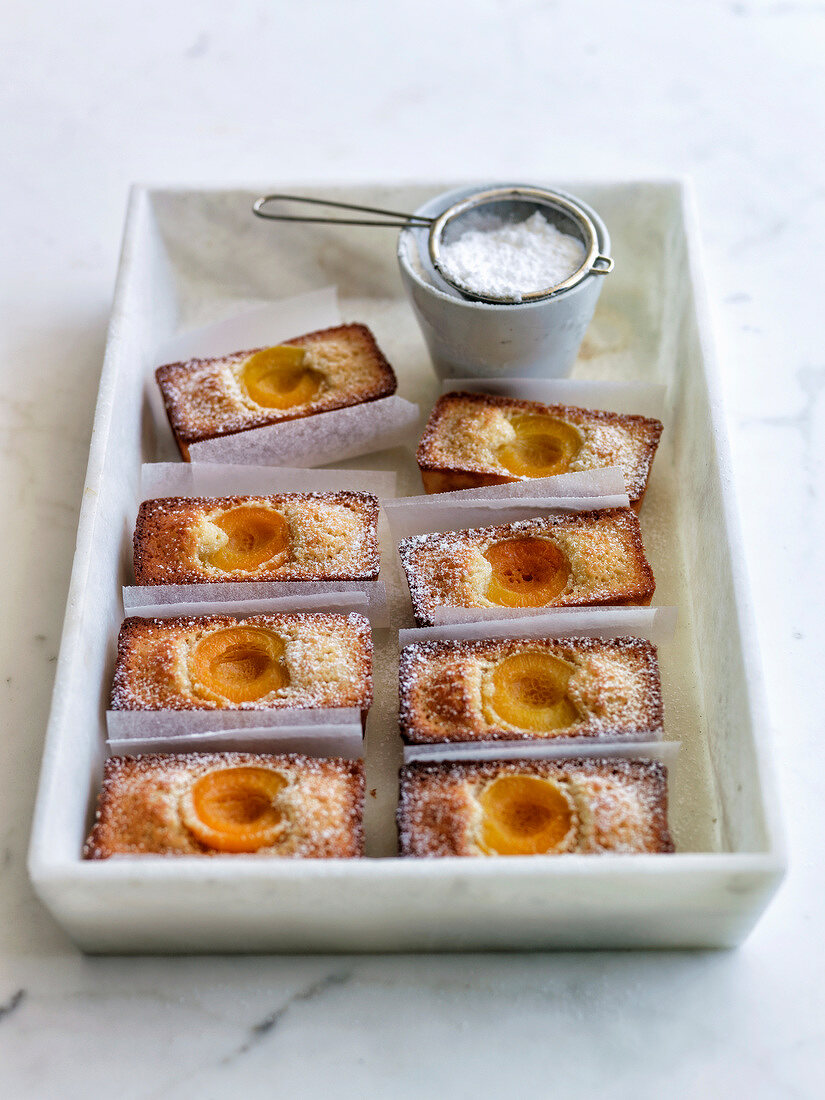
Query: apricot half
[[529, 691], [524, 815], [255, 535], [280, 378], [235, 809], [239, 664], [527, 572], [543, 446]]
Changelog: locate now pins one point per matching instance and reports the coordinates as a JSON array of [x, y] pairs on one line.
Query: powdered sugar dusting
[[328, 658], [139, 808], [510, 259], [332, 537], [204, 397], [620, 805], [615, 688], [466, 430], [604, 550]]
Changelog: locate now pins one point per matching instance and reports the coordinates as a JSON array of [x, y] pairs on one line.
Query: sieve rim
[[594, 263]]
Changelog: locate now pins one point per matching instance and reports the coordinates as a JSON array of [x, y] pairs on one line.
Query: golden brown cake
[[258, 662], [321, 371], [286, 537], [529, 688], [533, 807], [573, 559], [474, 439], [224, 803]]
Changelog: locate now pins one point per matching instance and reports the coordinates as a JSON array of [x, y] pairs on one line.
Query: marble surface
[[730, 93]]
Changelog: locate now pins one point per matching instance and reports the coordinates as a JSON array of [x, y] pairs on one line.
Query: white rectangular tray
[[195, 256]]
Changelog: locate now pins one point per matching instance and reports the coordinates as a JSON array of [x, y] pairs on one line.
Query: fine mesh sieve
[[498, 205]]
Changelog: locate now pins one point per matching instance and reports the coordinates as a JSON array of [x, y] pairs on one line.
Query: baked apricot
[[255, 535], [527, 572], [239, 664], [235, 809], [543, 446], [280, 377], [529, 691], [524, 815]]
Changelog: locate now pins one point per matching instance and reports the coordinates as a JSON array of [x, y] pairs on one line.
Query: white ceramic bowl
[[469, 338]]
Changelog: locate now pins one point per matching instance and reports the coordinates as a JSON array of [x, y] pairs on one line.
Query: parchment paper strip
[[606, 481], [341, 741], [466, 508], [663, 751], [341, 602], [128, 725], [262, 326], [316, 440], [656, 624], [187, 479]]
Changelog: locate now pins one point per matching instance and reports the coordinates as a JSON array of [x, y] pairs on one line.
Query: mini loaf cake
[[533, 807], [260, 662], [529, 688], [286, 537], [474, 439], [319, 372], [569, 560], [234, 802]]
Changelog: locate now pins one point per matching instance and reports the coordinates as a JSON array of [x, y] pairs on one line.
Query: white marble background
[[96, 95]]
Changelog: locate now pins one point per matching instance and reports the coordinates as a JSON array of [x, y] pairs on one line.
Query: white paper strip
[[641, 398], [129, 725], [316, 440], [483, 507], [342, 741], [341, 597], [663, 751], [439, 520], [450, 616], [656, 624], [186, 479], [604, 482], [254, 328]]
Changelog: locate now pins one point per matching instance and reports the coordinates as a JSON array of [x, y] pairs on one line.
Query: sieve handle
[[392, 218], [605, 263]]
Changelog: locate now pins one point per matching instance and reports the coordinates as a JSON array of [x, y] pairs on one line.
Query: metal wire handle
[[403, 221]]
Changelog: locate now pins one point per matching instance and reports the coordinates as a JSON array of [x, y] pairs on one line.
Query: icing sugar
[[508, 260]]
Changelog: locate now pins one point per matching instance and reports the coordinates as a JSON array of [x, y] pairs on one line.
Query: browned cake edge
[[384, 387], [640, 596], [119, 696], [143, 550], [450, 817], [416, 728], [96, 848], [437, 477]]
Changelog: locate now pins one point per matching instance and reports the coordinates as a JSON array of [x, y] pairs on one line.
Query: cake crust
[[326, 659], [206, 398], [615, 805], [460, 445], [448, 690], [326, 537], [602, 550], [142, 807]]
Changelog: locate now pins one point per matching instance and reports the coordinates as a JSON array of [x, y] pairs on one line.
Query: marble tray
[[193, 256]]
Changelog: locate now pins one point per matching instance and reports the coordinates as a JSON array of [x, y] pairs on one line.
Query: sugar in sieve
[[512, 204]]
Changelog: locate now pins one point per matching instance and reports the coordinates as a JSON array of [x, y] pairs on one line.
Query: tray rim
[[771, 861], [764, 742]]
